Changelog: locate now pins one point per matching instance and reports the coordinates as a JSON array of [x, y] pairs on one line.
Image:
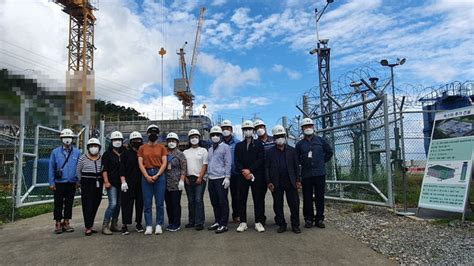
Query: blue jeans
[[195, 195], [157, 190], [113, 210]]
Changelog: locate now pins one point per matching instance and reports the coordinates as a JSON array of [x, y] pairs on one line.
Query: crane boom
[[197, 41]]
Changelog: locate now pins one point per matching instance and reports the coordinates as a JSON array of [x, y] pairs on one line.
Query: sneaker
[[308, 224], [125, 230], [213, 227], [149, 230], [199, 227], [242, 227], [67, 227], [221, 229], [139, 228], [259, 227], [189, 226], [281, 228], [106, 229], [158, 230], [173, 228], [320, 224], [296, 229], [58, 228], [114, 227]]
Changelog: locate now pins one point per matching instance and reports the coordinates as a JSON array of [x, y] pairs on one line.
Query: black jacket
[[251, 158], [129, 167], [111, 163], [321, 153], [271, 165]]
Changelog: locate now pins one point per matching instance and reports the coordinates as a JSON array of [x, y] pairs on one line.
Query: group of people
[[137, 174]]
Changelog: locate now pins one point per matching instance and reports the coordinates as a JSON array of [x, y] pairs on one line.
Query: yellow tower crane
[[183, 85], [80, 76]]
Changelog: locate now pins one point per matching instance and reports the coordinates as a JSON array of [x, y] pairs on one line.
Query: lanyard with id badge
[[170, 158], [97, 184]]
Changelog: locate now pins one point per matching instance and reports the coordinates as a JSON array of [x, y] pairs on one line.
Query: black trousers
[[219, 201], [133, 196], [316, 185], [63, 200], [234, 195], [259, 206], [173, 207], [292, 198], [91, 196]]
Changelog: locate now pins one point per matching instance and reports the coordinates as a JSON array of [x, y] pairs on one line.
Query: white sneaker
[[242, 227], [149, 230], [259, 227], [158, 230]]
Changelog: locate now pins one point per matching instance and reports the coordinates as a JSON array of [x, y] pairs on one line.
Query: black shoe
[[199, 227], [189, 226], [320, 224], [282, 228], [296, 229], [139, 228], [308, 224], [125, 230], [213, 227], [221, 229], [94, 231]]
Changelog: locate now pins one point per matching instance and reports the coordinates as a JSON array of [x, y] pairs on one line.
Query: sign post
[[449, 164]]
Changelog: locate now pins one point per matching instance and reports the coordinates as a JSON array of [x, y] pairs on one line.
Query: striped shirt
[[89, 168]]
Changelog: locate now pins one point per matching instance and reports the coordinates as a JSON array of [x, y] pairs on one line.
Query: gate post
[[19, 172], [388, 168]]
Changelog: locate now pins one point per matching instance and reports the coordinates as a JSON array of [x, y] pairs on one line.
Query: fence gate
[[360, 170]]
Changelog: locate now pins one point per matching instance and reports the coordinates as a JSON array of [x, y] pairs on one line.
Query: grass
[[358, 207]]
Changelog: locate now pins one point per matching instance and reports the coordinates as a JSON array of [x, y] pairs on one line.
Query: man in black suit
[[282, 177]]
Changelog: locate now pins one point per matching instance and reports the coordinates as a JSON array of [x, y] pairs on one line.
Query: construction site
[[380, 131]]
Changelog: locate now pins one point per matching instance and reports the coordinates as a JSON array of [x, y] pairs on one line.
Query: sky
[[253, 59]]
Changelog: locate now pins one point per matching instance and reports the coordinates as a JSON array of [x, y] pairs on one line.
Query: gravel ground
[[405, 240]]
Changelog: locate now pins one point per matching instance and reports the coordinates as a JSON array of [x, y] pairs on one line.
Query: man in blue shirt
[[231, 140], [313, 152], [63, 180]]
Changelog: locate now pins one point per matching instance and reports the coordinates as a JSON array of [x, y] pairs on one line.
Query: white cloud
[[218, 2], [277, 68], [292, 74], [241, 17]]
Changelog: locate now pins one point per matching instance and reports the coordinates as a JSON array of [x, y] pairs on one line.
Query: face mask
[[94, 150], [248, 133], [67, 141], [117, 143], [194, 141], [136, 145], [172, 145], [226, 133], [280, 141], [260, 132], [153, 137], [309, 131], [215, 139]]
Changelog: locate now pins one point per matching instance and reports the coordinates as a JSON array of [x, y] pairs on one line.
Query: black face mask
[[153, 137], [136, 145]]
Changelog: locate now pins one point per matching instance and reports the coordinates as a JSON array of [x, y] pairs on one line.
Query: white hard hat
[[193, 132], [152, 126], [216, 130], [172, 135], [247, 124], [93, 141], [116, 135], [307, 121], [66, 133], [135, 135], [226, 123], [259, 122], [278, 130]]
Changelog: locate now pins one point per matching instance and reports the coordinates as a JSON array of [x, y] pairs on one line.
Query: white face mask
[[309, 131], [172, 144], [280, 141], [248, 133], [117, 143], [226, 133], [94, 150], [216, 139], [67, 141], [194, 141], [260, 132]]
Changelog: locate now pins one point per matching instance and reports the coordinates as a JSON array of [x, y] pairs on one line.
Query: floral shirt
[[176, 167]]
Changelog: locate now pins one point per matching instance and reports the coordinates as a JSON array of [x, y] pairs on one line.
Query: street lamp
[[399, 62]]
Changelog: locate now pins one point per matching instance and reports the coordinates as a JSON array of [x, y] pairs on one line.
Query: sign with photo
[[449, 164]]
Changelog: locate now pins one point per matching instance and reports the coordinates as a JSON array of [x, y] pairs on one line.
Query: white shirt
[[195, 158]]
